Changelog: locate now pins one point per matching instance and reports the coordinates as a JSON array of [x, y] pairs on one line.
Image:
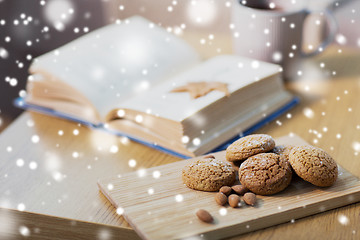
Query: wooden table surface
[[48, 172]]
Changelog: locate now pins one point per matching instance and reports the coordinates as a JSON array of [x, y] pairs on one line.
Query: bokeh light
[[59, 13], [202, 12]]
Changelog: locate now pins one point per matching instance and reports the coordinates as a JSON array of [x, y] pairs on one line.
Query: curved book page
[[113, 63]]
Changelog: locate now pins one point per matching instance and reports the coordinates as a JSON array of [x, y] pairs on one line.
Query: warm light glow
[[202, 12]]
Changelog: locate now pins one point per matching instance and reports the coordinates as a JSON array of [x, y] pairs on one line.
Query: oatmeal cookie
[[314, 165], [208, 174], [248, 146], [265, 173]]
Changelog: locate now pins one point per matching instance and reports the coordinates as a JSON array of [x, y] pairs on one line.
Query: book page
[[235, 71], [115, 62]]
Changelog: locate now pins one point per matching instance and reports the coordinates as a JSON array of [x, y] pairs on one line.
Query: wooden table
[[53, 180]]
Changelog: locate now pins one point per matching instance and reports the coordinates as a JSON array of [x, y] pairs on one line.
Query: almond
[[239, 189], [225, 190], [204, 216], [234, 200], [250, 198], [220, 199], [209, 156]]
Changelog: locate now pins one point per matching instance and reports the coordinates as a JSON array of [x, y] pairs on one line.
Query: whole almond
[[220, 199], [239, 189], [209, 156], [234, 200], [250, 198], [225, 190], [204, 216]]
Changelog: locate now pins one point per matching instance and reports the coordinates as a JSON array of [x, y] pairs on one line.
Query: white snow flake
[[119, 211], [35, 138], [24, 231], [132, 163], [343, 220], [150, 191], [196, 141], [20, 162], [223, 211], [75, 154], [308, 112], [185, 139], [21, 207], [114, 149], [356, 146], [156, 174], [33, 165], [179, 198], [4, 53], [141, 172]]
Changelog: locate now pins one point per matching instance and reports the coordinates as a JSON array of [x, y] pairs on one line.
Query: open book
[[121, 77]]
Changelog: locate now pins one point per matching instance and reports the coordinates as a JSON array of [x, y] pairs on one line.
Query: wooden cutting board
[[159, 206]]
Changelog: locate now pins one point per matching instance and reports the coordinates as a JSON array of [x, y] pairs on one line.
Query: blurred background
[[32, 27]]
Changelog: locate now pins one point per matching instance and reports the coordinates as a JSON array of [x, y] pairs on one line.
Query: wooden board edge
[[42, 226], [107, 196], [115, 205]]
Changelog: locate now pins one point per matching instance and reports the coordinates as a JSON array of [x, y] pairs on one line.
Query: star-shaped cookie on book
[[199, 89]]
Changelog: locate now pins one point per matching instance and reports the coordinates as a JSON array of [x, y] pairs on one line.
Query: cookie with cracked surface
[[283, 150], [314, 165], [248, 146], [265, 173], [208, 174]]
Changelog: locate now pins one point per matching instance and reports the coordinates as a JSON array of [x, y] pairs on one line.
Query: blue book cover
[[21, 103]]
